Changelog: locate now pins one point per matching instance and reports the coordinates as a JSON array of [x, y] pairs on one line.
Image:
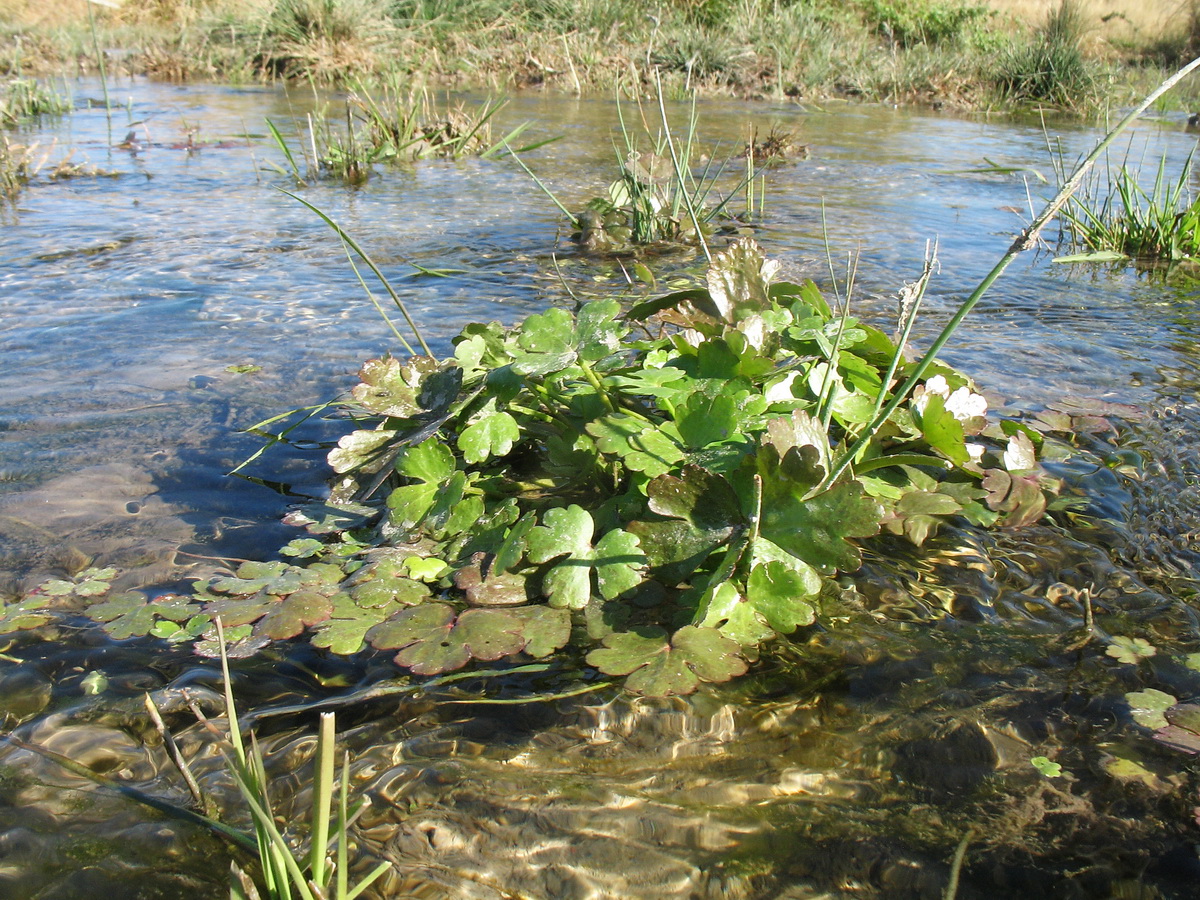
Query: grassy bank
[[960, 52]]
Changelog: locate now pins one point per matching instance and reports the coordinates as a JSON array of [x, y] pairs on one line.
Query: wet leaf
[[94, 683], [942, 430], [545, 629], [1128, 770], [565, 535], [659, 667], [389, 388], [273, 577], [491, 436], [739, 280], [133, 614], [344, 632], [556, 339], [302, 548], [359, 449], [290, 615], [432, 639], [328, 518], [1046, 767], [727, 610], [783, 596], [641, 446], [1148, 707], [429, 465], [484, 585], [29, 612], [819, 530], [1130, 650]]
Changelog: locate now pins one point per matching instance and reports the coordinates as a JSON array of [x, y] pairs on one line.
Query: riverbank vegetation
[[961, 52]]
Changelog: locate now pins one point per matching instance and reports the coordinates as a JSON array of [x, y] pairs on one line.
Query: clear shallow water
[[852, 769]]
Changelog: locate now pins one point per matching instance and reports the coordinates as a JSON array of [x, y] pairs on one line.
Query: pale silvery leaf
[[1020, 455]]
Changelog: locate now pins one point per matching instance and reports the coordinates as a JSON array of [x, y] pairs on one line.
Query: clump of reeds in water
[[1121, 217], [24, 99], [392, 127]]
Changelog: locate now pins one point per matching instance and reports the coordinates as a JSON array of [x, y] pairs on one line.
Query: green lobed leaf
[[492, 436], [783, 596], [659, 667], [29, 612], [133, 614], [1148, 707], [359, 449], [819, 529], [432, 639]]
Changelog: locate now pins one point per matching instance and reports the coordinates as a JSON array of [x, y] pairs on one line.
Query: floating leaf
[[302, 548], [133, 614], [432, 639], [290, 615], [344, 632], [1130, 650], [485, 585], [29, 612], [545, 629], [659, 667]]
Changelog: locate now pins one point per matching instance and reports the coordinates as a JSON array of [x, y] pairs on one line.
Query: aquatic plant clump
[[655, 487]]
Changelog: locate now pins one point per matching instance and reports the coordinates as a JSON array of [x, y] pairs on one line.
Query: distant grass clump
[[1051, 67], [912, 23], [325, 40]]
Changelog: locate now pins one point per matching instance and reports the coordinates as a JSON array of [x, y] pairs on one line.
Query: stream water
[[851, 767]]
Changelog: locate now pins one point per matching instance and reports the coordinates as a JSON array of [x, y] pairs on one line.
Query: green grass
[[23, 99], [391, 125], [1051, 67], [1119, 217], [884, 50]]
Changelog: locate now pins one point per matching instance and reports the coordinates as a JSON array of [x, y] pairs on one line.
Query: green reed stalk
[[100, 59], [370, 263], [1027, 240]]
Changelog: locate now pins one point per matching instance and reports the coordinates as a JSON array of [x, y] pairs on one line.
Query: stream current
[[852, 765]]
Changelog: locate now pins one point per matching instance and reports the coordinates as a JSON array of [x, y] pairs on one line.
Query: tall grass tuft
[[25, 98], [1051, 67], [393, 127], [1123, 218], [325, 40], [286, 872]]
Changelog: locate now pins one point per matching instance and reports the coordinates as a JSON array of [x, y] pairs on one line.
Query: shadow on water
[[852, 763]]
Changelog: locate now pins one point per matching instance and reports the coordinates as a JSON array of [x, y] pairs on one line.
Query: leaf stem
[[1026, 240]]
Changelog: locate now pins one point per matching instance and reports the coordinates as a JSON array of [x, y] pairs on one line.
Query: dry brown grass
[[1120, 22]]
